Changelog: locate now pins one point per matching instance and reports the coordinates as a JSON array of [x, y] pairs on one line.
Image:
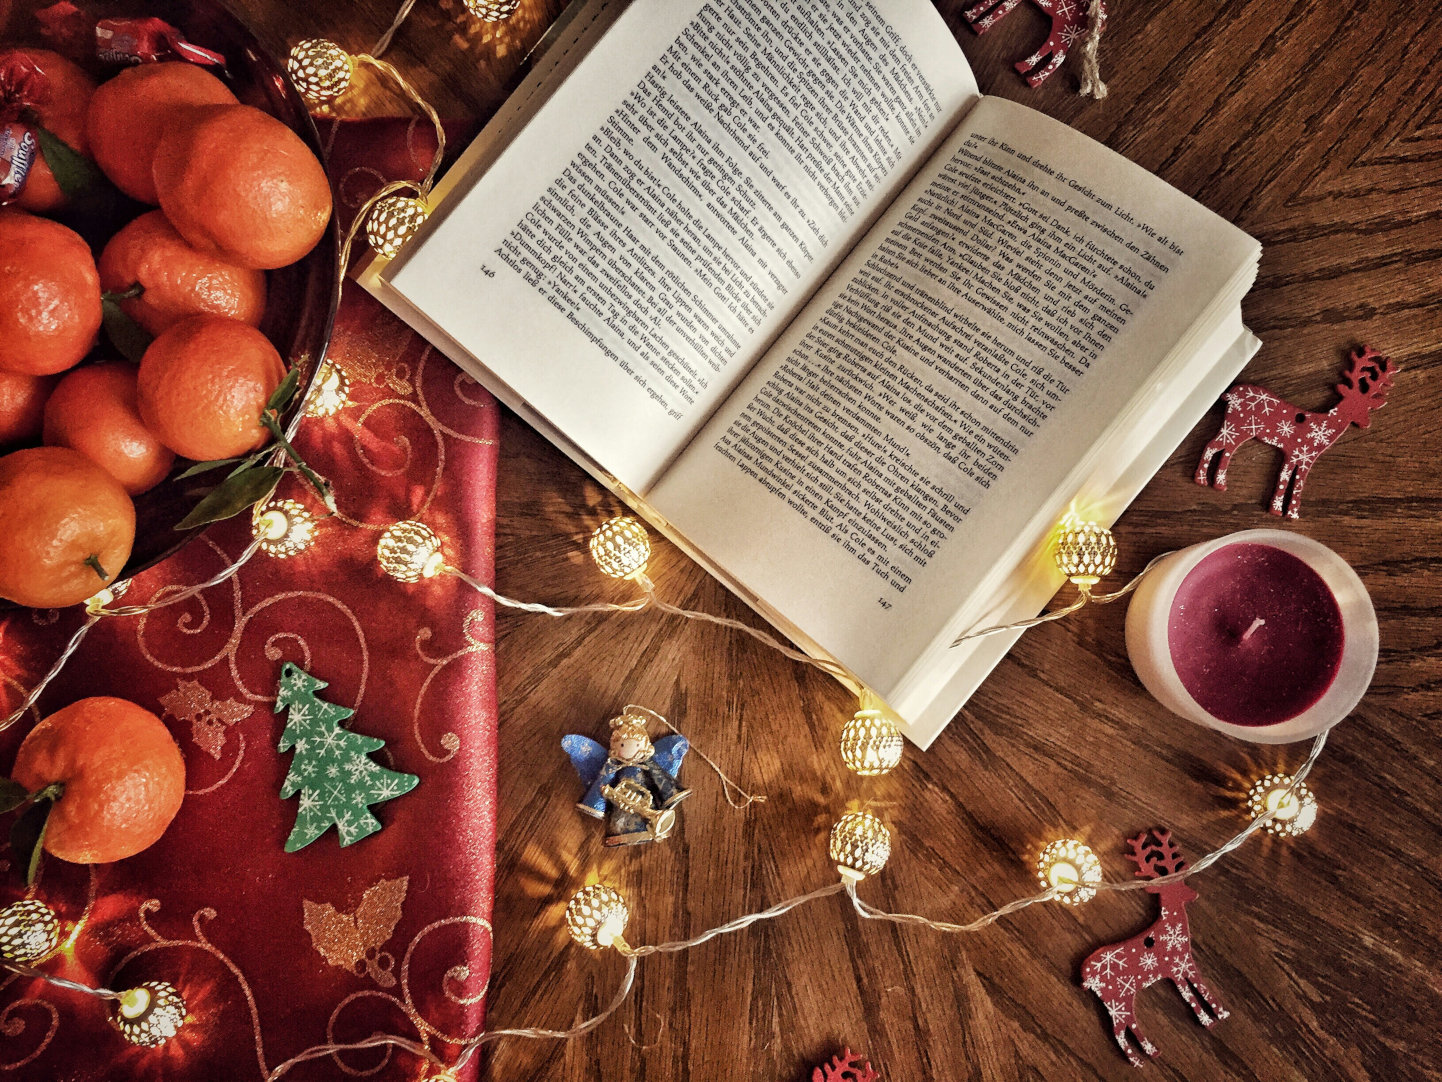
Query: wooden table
[[1316, 128]]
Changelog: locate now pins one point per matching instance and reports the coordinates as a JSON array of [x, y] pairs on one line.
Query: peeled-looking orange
[[123, 774], [203, 386], [235, 180], [66, 527], [49, 295], [178, 280], [94, 411], [129, 113]]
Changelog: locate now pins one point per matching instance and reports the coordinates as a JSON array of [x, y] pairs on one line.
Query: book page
[[937, 400], [670, 208]]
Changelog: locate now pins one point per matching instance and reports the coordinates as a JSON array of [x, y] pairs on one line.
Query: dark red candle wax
[[1255, 634]]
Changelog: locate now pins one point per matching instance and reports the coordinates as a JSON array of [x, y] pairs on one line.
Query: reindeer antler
[[1156, 858], [1368, 372]]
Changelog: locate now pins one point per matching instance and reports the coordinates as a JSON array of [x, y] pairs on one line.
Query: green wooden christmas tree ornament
[[332, 769]]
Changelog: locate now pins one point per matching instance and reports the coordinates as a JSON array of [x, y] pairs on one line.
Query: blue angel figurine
[[635, 780]]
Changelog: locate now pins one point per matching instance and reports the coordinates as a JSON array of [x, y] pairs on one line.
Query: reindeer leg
[[1192, 1001], [1141, 1039], [1220, 483], [1218, 1011], [1204, 466], [1126, 1046], [1036, 78], [1294, 501], [1279, 497]]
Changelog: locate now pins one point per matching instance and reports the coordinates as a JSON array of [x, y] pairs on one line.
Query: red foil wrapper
[[23, 86], [68, 29], [147, 41], [17, 153]]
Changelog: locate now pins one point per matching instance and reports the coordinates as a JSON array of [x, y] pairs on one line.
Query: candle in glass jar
[[1266, 635]]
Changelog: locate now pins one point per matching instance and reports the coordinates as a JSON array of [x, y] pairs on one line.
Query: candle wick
[[1258, 622]]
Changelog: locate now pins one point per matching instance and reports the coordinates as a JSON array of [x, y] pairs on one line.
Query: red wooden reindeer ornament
[[1254, 412], [1071, 20], [1117, 972]]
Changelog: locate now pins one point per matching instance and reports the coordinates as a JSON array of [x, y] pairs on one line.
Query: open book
[[852, 334]]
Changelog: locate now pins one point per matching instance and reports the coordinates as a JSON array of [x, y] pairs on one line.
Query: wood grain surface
[[1316, 127]]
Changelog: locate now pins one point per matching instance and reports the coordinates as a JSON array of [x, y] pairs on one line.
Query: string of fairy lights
[[870, 743]]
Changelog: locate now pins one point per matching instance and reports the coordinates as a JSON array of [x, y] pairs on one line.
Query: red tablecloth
[[278, 952]]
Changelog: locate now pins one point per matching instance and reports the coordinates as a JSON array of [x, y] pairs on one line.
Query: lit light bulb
[[871, 744], [492, 11], [149, 1014], [1296, 811], [284, 528], [1085, 551], [96, 602], [28, 930], [320, 69], [1069, 867], [596, 916], [410, 551], [620, 546], [860, 845], [393, 221], [330, 392]]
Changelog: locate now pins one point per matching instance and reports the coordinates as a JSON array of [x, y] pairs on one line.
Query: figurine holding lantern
[[632, 785]]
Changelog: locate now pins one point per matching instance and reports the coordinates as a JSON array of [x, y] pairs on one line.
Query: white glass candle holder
[[1212, 646]]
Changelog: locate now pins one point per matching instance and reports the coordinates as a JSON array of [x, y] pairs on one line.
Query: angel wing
[[587, 756], [669, 751]]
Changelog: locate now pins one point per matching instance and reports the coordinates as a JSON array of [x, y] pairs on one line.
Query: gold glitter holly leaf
[[353, 940], [209, 719]]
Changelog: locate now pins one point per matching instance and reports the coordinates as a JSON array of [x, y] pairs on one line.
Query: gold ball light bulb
[[596, 916], [1085, 551], [492, 11], [284, 528], [871, 744], [150, 1014], [621, 547], [28, 930], [330, 392], [393, 221], [860, 845], [320, 69], [1295, 811], [410, 551], [1069, 867]]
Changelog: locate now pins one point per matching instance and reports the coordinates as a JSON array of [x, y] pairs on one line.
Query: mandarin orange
[[236, 180], [49, 295], [66, 527], [178, 280], [94, 411], [122, 772], [22, 406], [129, 113], [203, 385], [61, 107]]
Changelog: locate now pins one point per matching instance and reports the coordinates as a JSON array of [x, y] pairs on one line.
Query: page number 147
[[885, 604]]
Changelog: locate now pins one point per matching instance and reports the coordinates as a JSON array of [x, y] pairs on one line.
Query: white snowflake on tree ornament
[[313, 731]]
